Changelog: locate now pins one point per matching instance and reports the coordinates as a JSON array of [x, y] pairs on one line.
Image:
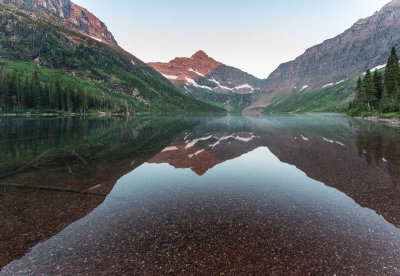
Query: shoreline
[[98, 114], [101, 114], [392, 121]]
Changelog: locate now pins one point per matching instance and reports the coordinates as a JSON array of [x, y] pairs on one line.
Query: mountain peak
[[200, 55], [203, 72], [182, 70], [70, 14]]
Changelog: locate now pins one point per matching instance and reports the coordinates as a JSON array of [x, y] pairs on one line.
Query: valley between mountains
[[73, 50]]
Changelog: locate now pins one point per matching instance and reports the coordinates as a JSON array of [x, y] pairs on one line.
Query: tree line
[[30, 94], [379, 91]]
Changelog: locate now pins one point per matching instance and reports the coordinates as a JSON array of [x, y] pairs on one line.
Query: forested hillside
[[45, 53], [378, 93]]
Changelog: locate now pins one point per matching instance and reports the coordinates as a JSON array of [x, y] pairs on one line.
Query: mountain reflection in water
[[199, 194]]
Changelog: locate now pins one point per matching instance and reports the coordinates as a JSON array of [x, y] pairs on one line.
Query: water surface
[[311, 194]]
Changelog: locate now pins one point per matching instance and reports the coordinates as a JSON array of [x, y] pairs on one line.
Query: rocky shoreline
[[392, 121]]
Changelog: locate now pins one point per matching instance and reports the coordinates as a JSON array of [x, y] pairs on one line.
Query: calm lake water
[[278, 195]]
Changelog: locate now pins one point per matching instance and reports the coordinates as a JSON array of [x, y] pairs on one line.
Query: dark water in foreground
[[279, 195]]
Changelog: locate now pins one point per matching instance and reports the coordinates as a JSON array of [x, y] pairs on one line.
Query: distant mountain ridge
[[69, 13], [326, 66], [365, 45], [204, 72]]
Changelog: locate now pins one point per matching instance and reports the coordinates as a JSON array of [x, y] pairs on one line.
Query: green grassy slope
[[75, 58], [333, 98]]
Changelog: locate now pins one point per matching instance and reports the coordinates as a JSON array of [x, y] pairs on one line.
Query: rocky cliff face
[[70, 14], [179, 70], [202, 71], [365, 45]]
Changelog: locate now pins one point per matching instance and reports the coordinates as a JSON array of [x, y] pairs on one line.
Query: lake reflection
[[311, 194]]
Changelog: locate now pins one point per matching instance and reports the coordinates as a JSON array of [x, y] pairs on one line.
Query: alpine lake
[[313, 194]]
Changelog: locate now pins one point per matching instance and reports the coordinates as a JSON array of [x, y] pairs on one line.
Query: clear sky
[[253, 35]]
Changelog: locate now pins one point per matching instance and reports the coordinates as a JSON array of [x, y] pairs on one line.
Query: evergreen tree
[[85, 105], [378, 80], [359, 97], [4, 88], [46, 97], [392, 72], [53, 96], [58, 97], [369, 91], [385, 102], [25, 95], [14, 91], [15, 94], [36, 90], [68, 98]]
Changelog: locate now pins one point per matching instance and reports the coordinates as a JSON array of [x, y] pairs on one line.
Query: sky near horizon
[[252, 35]]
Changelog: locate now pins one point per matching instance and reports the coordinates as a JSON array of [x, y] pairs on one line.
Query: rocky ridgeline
[[202, 71], [71, 14], [365, 45]]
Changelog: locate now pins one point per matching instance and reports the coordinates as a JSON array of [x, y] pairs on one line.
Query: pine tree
[[4, 88], [1, 94], [26, 95], [36, 90], [14, 90], [392, 72], [385, 102], [359, 97], [53, 95], [46, 96], [378, 80], [369, 90], [85, 101], [68, 98], [58, 99]]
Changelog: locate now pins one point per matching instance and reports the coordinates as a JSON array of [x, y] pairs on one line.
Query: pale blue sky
[[253, 35]]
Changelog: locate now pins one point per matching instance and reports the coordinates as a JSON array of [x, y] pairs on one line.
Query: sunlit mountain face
[[310, 194]]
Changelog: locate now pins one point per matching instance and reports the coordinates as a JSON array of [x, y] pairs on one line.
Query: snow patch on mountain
[[341, 144], [304, 138], [187, 90], [379, 67], [95, 38], [220, 85], [170, 77], [194, 71], [244, 86], [192, 82]]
